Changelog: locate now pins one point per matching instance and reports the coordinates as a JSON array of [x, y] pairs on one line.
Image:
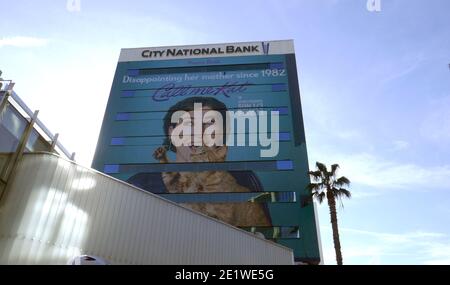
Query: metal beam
[[54, 141], [14, 160]]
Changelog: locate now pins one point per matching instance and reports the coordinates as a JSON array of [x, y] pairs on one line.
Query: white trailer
[[54, 210]]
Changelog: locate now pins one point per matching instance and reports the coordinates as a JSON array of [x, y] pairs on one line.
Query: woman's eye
[[210, 122]]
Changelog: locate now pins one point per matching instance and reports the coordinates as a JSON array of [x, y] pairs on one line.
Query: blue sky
[[375, 90]]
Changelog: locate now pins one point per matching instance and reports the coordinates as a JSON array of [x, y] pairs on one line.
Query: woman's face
[[184, 153]]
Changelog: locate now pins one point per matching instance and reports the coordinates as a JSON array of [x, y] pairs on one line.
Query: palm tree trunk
[[334, 224]]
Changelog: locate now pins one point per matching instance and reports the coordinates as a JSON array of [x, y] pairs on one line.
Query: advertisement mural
[[218, 129]]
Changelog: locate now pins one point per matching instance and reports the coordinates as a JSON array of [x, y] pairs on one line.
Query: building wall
[[54, 210]]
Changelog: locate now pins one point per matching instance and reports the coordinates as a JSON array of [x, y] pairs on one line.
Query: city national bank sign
[[214, 50], [217, 128], [200, 51]]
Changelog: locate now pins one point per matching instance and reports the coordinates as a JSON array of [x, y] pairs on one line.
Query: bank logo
[[265, 47]]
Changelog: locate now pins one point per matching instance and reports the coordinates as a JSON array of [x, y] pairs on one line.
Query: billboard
[[219, 129]]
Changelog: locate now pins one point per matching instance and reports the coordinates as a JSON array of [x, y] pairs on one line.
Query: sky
[[375, 91]]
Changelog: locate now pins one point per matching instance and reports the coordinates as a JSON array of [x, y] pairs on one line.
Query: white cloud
[[400, 145], [437, 262], [438, 253], [22, 42], [396, 238], [408, 64], [365, 194], [370, 170], [368, 247]]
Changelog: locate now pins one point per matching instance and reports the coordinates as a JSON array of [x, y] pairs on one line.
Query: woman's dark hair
[[188, 105]]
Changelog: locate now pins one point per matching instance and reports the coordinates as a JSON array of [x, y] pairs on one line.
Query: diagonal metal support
[[54, 141], [17, 155], [3, 104]]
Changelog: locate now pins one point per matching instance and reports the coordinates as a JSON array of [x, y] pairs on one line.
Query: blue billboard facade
[[254, 174]]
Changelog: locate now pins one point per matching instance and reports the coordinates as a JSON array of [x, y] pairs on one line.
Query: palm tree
[[328, 185]]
